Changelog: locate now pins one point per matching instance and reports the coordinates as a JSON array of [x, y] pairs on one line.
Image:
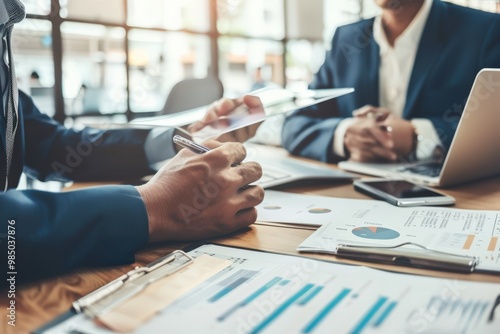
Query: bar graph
[[325, 311], [251, 297], [281, 308], [365, 320], [231, 283], [270, 293], [308, 297], [385, 313]]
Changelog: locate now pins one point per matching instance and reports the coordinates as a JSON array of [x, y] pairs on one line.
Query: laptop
[[474, 152], [279, 168]]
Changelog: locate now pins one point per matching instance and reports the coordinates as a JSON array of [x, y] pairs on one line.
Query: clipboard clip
[[395, 255], [126, 286]]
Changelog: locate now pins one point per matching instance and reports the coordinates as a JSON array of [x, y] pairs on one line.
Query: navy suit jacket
[[456, 43], [49, 233]]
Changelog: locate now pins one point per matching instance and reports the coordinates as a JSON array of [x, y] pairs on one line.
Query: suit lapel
[[371, 65], [428, 48]]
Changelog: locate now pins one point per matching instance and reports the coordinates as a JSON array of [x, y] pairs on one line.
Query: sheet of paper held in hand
[[275, 101], [377, 223], [272, 293]]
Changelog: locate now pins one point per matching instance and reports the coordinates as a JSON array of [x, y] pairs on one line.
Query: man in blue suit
[[412, 68], [42, 234]]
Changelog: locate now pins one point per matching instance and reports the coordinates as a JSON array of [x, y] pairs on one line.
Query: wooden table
[[40, 302]]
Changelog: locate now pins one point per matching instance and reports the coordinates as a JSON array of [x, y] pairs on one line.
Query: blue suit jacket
[[50, 233], [456, 43]]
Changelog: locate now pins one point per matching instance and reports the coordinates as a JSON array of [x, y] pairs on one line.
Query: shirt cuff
[[428, 139], [338, 139], [159, 146]]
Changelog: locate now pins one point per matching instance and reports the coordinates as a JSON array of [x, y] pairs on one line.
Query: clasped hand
[[377, 135]]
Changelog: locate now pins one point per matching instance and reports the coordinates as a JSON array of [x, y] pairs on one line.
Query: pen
[[197, 148], [189, 144], [428, 259]]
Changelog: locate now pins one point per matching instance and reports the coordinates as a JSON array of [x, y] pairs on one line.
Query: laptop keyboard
[[431, 169], [269, 174]]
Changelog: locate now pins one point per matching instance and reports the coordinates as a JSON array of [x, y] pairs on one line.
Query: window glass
[[32, 48], [39, 7], [94, 10], [94, 71], [259, 18], [303, 60], [169, 14], [247, 64], [158, 60]]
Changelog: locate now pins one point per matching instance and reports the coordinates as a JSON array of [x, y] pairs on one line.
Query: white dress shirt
[[395, 69]]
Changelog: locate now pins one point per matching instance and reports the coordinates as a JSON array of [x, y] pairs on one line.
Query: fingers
[[372, 154], [254, 104], [196, 126], [245, 218], [381, 136], [363, 111], [376, 113], [253, 196], [223, 107], [248, 172], [366, 141]]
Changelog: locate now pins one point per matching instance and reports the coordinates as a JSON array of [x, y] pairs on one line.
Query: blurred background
[[115, 60]]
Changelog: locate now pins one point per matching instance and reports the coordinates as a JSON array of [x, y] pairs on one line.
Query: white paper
[[455, 231], [271, 293], [308, 210]]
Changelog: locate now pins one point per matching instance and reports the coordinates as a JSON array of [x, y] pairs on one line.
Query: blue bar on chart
[[369, 315], [325, 311], [232, 283], [304, 300], [250, 298], [380, 320], [282, 308]]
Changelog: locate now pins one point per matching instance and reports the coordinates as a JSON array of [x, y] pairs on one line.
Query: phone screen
[[402, 189]]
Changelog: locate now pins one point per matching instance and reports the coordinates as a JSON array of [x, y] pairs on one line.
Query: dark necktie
[[11, 110], [16, 14]]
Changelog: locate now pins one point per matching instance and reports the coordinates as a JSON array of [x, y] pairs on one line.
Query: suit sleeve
[[52, 233], [54, 152], [309, 132]]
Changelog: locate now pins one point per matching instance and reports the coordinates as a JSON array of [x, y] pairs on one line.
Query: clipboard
[[103, 303], [130, 284], [102, 299]]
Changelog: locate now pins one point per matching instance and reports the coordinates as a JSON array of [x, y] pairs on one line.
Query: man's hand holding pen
[[377, 135], [208, 197]]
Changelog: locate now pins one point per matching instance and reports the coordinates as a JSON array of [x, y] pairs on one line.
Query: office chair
[[191, 93]]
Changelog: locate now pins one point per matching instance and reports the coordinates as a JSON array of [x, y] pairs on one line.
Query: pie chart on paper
[[375, 232]]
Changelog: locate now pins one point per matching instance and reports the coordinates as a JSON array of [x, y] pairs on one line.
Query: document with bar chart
[[271, 293], [455, 231]]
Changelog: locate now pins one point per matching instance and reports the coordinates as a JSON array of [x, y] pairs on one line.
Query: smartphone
[[402, 193]]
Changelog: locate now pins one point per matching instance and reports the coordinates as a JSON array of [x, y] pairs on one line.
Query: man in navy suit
[[41, 233], [412, 68]]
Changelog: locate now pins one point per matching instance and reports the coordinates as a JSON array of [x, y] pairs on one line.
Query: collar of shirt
[[410, 37], [396, 63]]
